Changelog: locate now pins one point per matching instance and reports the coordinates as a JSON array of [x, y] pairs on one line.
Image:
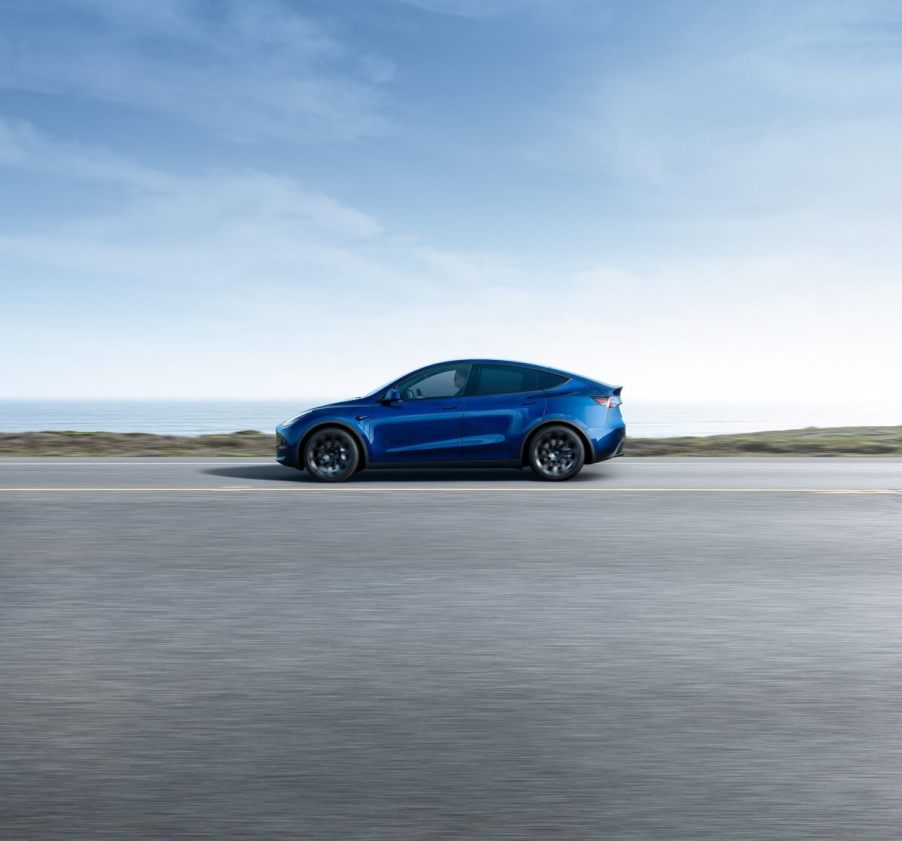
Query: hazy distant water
[[197, 417], [165, 417]]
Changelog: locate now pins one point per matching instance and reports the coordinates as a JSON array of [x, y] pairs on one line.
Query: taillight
[[609, 402]]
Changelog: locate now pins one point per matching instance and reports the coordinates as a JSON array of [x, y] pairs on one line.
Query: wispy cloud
[[245, 70], [746, 113], [267, 198]]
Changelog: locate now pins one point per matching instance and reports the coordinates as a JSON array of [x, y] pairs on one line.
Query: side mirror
[[392, 396]]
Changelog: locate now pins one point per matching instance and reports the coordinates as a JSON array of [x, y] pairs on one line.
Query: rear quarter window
[[548, 380]]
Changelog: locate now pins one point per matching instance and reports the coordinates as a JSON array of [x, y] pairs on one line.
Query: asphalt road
[[663, 649]]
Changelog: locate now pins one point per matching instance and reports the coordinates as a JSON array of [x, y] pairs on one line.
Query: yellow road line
[[319, 489]]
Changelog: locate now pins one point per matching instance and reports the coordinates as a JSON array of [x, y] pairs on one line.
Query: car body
[[466, 412]]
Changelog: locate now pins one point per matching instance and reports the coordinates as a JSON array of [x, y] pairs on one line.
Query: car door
[[425, 424], [503, 403]]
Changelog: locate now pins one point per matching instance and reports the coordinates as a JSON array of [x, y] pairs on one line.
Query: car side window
[[447, 381], [548, 380], [505, 379]]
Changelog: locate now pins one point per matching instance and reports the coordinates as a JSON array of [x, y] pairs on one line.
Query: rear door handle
[[449, 408], [528, 403]]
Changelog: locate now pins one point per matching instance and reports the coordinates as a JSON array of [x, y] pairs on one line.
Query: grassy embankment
[[840, 441]]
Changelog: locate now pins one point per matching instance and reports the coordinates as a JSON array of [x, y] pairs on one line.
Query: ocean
[[198, 417]]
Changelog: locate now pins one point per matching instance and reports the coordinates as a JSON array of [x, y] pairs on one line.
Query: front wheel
[[556, 453], [331, 455]]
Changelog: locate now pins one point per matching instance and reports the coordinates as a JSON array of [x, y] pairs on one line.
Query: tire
[[331, 454], [556, 453]]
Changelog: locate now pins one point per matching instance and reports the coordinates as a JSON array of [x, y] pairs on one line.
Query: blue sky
[[263, 199]]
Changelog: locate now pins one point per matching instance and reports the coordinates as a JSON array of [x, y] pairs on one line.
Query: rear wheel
[[556, 453], [331, 455]]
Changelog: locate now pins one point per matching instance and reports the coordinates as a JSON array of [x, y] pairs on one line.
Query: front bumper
[[283, 448]]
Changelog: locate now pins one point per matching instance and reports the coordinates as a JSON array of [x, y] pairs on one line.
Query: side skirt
[[413, 465]]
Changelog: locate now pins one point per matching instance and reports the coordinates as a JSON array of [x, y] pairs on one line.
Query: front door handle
[[449, 408], [528, 403]]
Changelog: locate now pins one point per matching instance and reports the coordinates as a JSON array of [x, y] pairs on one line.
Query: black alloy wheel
[[331, 455], [556, 453]]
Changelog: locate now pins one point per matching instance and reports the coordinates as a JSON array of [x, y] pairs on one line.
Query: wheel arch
[[546, 422], [321, 424]]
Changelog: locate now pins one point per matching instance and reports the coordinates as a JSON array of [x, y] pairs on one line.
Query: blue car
[[465, 413]]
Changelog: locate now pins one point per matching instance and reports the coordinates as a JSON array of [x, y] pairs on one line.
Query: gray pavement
[[668, 473], [663, 649]]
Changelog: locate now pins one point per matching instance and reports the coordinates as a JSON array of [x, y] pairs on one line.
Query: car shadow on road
[[277, 473]]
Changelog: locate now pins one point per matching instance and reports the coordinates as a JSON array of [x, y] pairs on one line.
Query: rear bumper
[[609, 444]]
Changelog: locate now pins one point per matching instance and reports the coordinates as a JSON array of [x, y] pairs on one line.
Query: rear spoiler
[[609, 389]]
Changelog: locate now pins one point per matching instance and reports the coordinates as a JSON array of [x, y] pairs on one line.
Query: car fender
[[559, 417], [305, 432]]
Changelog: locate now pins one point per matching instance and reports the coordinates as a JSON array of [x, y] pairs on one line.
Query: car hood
[[343, 404]]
